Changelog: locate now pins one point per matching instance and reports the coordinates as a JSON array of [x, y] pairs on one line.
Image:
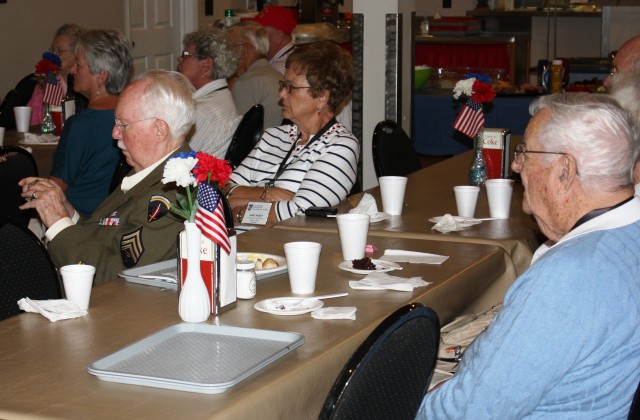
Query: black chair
[[122, 169], [18, 96], [393, 151], [26, 270], [246, 135], [389, 374], [15, 163], [634, 412]]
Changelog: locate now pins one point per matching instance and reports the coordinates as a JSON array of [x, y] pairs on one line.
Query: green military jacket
[[126, 230]]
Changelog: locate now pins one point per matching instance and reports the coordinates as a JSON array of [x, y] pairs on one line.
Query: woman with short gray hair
[[86, 156], [207, 61]]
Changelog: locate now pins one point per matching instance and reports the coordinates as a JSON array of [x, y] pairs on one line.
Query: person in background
[[207, 61], [132, 227], [314, 160], [627, 59], [625, 87], [86, 157], [279, 23], [566, 343], [256, 82], [63, 45]]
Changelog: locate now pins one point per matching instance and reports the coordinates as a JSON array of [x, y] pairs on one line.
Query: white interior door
[[155, 29]]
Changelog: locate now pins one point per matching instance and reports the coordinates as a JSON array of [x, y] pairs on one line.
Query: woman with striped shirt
[[314, 160]]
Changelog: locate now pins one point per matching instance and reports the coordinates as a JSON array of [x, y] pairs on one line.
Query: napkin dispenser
[[495, 150]]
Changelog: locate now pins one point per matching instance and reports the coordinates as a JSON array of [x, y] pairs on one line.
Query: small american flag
[[53, 94], [210, 216], [470, 120]]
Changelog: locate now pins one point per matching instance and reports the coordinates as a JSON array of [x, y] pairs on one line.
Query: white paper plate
[[381, 267], [288, 305], [263, 274], [379, 217]]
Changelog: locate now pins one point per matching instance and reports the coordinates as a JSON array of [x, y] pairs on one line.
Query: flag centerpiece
[[46, 72], [477, 90]]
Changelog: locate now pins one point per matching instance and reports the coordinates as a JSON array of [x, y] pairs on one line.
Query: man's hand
[[47, 198]]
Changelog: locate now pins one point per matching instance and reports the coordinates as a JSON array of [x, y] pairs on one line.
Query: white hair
[[596, 131], [169, 97], [625, 88]]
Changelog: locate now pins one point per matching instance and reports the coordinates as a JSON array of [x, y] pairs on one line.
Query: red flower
[[210, 168], [482, 92], [45, 66]]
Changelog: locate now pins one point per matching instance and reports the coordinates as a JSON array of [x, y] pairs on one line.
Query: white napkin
[[383, 281], [44, 138], [53, 309], [449, 223], [367, 205], [346, 312], [398, 255]]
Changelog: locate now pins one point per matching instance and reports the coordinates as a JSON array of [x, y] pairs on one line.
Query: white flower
[[178, 170], [463, 88]]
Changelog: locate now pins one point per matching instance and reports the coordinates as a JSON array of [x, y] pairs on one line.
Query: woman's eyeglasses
[[288, 86]]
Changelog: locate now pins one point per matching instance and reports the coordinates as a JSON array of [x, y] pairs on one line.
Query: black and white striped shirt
[[320, 174]]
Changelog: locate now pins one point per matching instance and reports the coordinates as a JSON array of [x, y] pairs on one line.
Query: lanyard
[[284, 164], [598, 212]]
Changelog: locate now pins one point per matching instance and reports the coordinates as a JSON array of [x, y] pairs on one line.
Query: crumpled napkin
[[53, 309], [449, 223], [383, 281], [367, 205], [335, 312], [398, 255], [40, 138]]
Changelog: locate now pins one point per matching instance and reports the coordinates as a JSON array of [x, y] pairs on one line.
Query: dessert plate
[[381, 267], [288, 305]]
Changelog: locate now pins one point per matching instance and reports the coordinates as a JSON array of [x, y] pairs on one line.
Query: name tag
[[257, 213]]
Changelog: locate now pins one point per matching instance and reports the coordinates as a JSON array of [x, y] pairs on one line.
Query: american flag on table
[[470, 120], [53, 94], [210, 216]]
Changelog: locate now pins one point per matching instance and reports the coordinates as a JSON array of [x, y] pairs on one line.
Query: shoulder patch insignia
[[131, 247], [159, 206]]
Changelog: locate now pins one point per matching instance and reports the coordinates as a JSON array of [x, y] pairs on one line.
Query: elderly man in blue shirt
[[566, 343]]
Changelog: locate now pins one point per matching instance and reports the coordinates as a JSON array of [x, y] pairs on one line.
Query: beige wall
[[27, 26]]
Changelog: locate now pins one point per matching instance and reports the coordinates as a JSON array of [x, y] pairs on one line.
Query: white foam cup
[[392, 190], [78, 280], [353, 230], [302, 264], [466, 199], [23, 118], [499, 193]]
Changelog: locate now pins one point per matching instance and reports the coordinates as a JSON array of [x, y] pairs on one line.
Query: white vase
[[194, 303]]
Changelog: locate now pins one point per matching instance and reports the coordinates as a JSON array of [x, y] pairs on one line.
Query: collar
[[620, 216], [128, 182], [283, 51], [216, 85]]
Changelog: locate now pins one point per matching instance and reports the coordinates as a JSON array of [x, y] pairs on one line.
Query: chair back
[[634, 411], [122, 169], [388, 376], [26, 270], [393, 151], [246, 135], [18, 96], [15, 163]]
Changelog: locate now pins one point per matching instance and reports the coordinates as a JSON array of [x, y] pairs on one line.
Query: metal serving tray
[[202, 358], [164, 268]]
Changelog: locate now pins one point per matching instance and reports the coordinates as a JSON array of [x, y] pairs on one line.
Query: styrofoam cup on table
[[466, 199], [302, 264], [23, 118], [392, 190], [353, 230], [1, 136], [78, 281], [499, 193]]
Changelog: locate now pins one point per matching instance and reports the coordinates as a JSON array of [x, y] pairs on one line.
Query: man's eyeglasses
[[285, 84], [520, 151], [122, 125], [186, 54]]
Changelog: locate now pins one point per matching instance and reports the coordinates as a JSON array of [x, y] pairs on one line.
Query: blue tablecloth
[[435, 111]]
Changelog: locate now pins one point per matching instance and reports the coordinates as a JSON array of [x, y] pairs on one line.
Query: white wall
[[27, 27]]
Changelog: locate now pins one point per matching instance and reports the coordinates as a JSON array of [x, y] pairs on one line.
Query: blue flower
[[479, 76], [52, 57], [185, 155]]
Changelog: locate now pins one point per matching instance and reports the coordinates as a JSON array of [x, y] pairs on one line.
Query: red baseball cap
[[278, 17]]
